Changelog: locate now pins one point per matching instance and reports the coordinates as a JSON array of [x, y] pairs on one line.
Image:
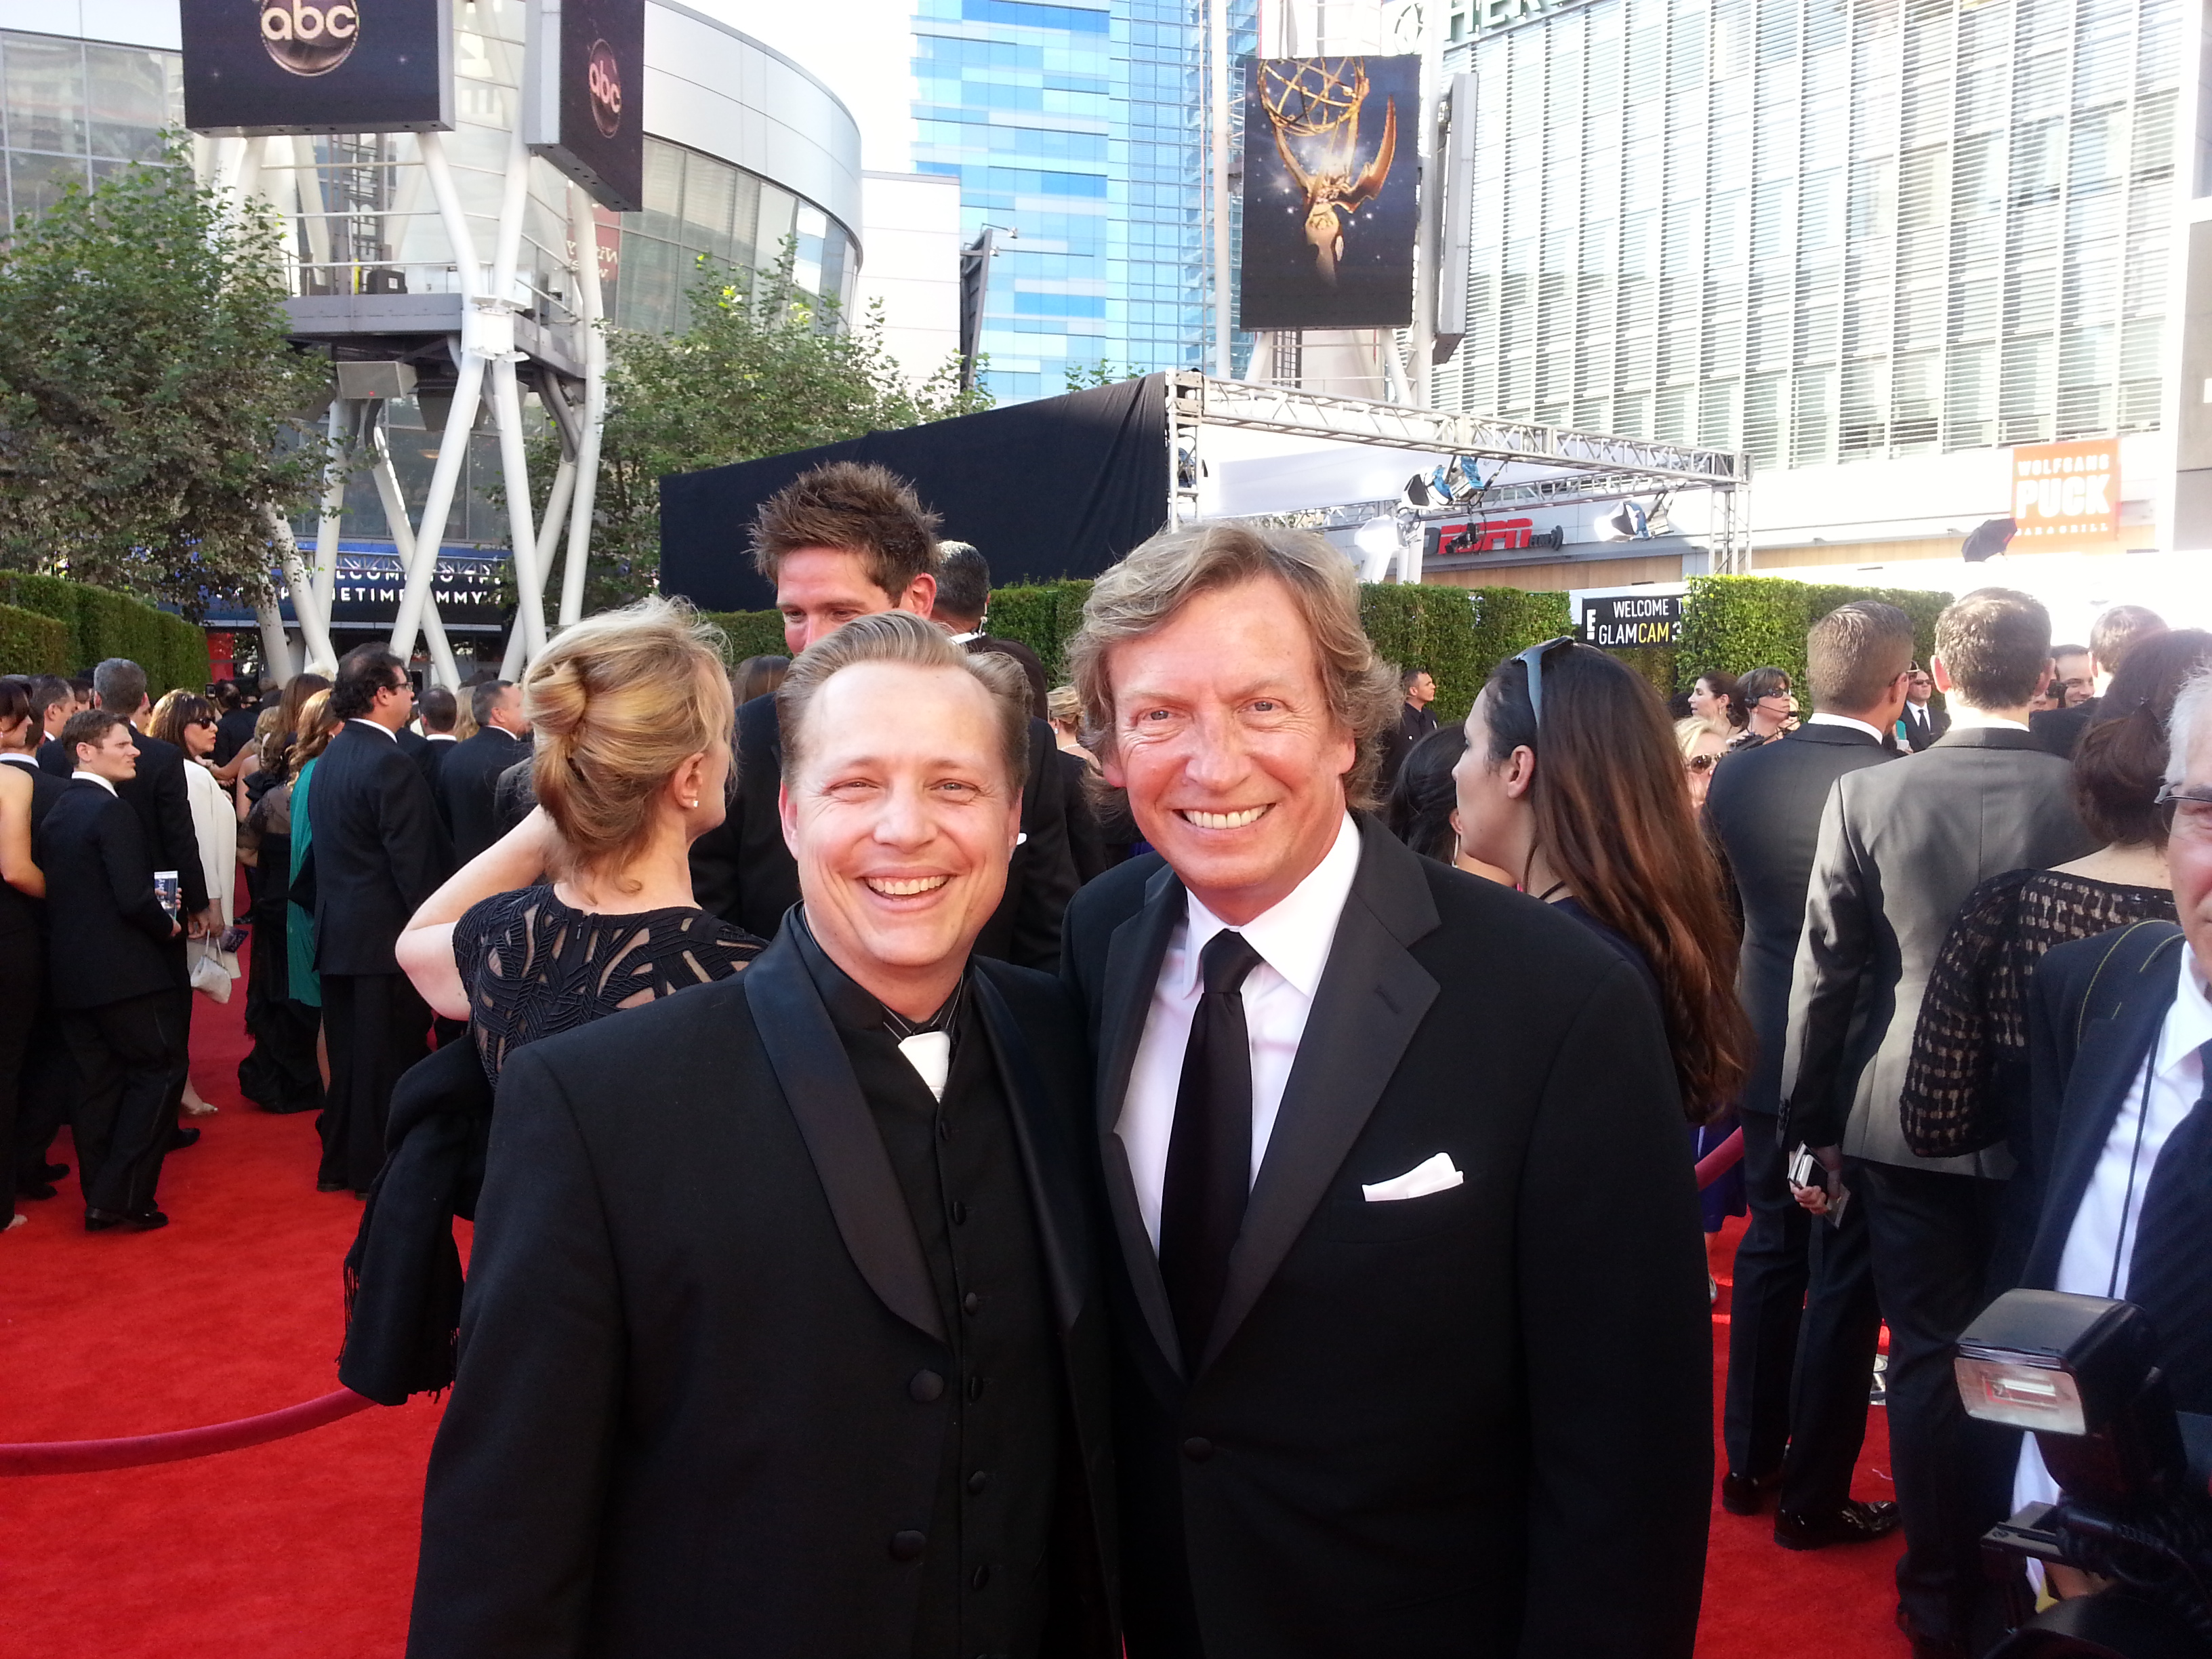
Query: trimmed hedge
[[98, 623], [31, 643], [1741, 622], [1459, 634]]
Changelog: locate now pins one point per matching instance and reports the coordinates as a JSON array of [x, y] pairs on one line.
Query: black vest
[[986, 1578]]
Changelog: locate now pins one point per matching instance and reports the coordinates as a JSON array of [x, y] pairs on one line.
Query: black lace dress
[[1966, 1085], [534, 966]]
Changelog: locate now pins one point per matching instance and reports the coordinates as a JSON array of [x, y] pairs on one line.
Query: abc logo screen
[[604, 79], [307, 39]]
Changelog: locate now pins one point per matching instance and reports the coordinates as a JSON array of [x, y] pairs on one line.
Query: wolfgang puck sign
[[2066, 490], [318, 66], [583, 84]]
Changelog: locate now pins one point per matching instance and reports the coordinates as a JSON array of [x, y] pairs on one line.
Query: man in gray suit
[[1901, 847]]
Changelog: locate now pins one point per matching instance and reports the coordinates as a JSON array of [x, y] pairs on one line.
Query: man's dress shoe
[[35, 1189], [139, 1221], [53, 1171], [1851, 1523], [179, 1138], [1744, 1494]]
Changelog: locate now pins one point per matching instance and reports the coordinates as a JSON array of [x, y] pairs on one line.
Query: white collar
[[95, 777], [2189, 1021], [1964, 718], [375, 726], [440, 737], [1825, 719], [972, 634], [31, 761], [1293, 935]]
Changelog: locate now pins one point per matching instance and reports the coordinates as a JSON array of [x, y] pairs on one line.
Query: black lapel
[[1045, 1153], [855, 1172], [1372, 996], [1133, 969], [2108, 1067]]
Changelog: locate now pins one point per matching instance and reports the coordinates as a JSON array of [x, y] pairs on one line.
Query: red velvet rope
[[1711, 1168], [91, 1456]]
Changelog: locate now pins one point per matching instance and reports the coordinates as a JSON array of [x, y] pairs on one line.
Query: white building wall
[[910, 227]]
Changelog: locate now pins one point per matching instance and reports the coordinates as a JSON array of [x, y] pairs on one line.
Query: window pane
[[45, 94], [129, 96], [36, 181]]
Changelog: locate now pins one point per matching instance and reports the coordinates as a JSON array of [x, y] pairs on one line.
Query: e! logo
[[604, 77], [307, 38]]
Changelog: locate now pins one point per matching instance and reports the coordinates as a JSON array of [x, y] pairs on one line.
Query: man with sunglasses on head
[[1410, 1307], [1901, 847], [1797, 1387]]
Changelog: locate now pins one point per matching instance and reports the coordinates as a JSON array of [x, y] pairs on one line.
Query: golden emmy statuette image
[[1315, 105]]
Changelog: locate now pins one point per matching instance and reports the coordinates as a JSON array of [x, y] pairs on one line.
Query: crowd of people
[[1176, 1159]]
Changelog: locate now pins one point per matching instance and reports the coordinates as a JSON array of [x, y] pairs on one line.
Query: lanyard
[[2135, 1159]]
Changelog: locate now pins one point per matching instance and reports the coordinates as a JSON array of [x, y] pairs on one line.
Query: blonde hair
[[313, 732], [1142, 594], [901, 636], [1063, 706], [616, 704]]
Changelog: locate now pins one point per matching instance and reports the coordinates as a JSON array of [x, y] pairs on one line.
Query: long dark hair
[[1613, 819], [1723, 685], [2121, 760], [1422, 796]]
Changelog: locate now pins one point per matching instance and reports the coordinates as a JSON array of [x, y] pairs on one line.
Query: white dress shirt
[[95, 777], [1293, 940], [2103, 1237], [1964, 718], [1874, 732]]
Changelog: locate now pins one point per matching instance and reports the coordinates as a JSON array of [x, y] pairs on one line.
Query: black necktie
[[1209, 1171], [2170, 1273]]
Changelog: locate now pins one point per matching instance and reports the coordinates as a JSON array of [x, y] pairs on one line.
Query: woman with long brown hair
[[1573, 784]]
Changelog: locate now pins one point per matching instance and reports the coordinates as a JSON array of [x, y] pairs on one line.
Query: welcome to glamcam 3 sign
[[318, 66]]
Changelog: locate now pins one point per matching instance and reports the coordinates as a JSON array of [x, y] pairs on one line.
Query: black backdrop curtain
[[1060, 487]]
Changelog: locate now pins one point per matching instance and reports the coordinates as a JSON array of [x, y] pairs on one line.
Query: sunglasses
[[1534, 658], [1700, 762]]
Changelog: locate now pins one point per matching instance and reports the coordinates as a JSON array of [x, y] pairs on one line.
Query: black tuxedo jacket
[[468, 776], [2094, 1009], [378, 851], [1764, 809], [45, 790], [164, 805], [1901, 847], [1410, 1433], [111, 935], [2059, 730], [54, 761], [742, 872], [1938, 722], [702, 1361]]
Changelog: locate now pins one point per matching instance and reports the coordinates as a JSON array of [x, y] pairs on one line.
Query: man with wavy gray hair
[[1386, 1229]]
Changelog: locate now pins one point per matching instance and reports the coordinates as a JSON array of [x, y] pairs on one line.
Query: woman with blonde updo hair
[[632, 716]]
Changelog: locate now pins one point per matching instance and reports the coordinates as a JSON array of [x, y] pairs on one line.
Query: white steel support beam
[[386, 478], [314, 636], [583, 229]]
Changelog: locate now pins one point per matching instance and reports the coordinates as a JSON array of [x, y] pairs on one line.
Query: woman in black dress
[[632, 715], [1966, 1085]]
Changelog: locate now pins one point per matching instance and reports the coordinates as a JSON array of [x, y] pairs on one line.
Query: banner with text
[[2069, 490], [1620, 622]]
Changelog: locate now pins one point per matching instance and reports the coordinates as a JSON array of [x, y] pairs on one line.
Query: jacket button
[[907, 1546], [959, 1213], [925, 1386], [978, 1480], [975, 1388], [972, 1302], [983, 1577], [1197, 1448]]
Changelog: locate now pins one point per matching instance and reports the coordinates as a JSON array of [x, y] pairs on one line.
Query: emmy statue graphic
[[1319, 105]]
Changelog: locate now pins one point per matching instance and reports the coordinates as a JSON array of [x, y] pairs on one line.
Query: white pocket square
[[1436, 1174]]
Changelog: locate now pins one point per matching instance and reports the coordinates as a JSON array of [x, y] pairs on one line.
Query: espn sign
[[2070, 490]]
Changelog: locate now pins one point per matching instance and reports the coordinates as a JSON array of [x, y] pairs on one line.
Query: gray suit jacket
[[1901, 847]]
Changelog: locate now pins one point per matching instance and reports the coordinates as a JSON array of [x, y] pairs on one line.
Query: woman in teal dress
[[315, 733]]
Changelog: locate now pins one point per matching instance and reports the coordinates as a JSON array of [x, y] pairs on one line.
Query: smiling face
[[1224, 738], [901, 819], [820, 589]]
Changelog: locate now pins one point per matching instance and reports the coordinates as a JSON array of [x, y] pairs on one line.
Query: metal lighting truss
[[1599, 467], [484, 350]]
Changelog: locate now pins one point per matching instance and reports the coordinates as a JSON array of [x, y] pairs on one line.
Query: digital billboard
[[1331, 158], [269, 66], [583, 95]]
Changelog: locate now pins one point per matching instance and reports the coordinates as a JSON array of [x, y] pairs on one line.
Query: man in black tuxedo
[[2060, 729], [1920, 724], [1417, 687], [157, 793], [844, 541], [59, 699], [963, 609], [379, 850], [468, 776], [1901, 847], [112, 979], [783, 1332], [1383, 1221], [439, 708], [1764, 809]]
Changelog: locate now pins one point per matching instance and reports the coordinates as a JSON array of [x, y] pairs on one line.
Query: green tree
[[148, 395], [762, 370]]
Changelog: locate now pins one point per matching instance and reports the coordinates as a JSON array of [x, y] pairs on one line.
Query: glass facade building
[[1082, 127], [1821, 230]]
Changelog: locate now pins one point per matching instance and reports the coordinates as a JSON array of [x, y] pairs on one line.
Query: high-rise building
[[1080, 131], [1875, 244]]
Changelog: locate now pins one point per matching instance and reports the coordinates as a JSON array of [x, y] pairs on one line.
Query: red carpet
[[305, 1549]]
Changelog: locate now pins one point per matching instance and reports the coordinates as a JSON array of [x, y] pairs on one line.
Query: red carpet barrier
[[92, 1457]]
